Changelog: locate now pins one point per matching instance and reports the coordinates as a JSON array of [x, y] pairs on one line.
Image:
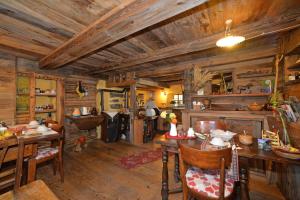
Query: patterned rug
[[139, 159]]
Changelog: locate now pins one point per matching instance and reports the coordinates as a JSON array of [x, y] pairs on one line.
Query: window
[[178, 99]]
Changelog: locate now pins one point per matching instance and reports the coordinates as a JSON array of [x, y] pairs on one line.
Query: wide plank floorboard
[[95, 174]]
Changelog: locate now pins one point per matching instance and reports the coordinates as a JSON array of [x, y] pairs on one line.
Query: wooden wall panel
[[72, 100], [7, 89]]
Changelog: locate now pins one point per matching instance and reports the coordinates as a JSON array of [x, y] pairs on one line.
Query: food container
[[246, 139]]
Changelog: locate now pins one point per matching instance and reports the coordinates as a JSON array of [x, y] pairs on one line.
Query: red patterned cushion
[[45, 152], [207, 182]]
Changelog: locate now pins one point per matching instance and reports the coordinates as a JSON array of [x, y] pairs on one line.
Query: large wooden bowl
[[255, 107], [284, 154]]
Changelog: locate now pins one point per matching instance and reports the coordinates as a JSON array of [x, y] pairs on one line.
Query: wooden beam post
[[132, 111]]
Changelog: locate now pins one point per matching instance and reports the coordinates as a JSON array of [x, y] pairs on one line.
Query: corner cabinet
[[39, 97]]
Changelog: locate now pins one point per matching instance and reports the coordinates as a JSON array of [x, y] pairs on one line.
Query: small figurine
[[80, 142]]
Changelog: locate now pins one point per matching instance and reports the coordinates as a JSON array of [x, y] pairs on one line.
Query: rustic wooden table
[[36, 190], [25, 140], [245, 154]]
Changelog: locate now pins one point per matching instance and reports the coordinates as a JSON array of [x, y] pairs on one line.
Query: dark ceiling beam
[[288, 21], [126, 19]]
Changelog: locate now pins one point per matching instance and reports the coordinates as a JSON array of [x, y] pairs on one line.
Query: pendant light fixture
[[229, 40]]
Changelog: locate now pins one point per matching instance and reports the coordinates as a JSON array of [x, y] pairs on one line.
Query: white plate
[[225, 144], [32, 126]]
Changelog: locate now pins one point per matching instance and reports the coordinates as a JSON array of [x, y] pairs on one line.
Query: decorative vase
[[200, 91], [173, 130]]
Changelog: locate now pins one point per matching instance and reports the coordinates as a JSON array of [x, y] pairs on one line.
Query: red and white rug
[[139, 159]]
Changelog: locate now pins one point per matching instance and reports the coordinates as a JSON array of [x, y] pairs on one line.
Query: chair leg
[[31, 170], [61, 168]]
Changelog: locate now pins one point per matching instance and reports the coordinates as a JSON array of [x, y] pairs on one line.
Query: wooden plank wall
[[7, 89], [72, 100]]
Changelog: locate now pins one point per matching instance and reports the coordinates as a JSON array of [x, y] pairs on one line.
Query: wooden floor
[[95, 174]]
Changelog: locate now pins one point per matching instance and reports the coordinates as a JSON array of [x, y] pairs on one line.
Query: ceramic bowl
[[33, 124], [42, 129], [224, 135], [217, 141]]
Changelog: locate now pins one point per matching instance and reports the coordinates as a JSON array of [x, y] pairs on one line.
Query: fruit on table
[[6, 134]]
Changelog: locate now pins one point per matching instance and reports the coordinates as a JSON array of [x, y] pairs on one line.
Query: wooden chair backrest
[[205, 159], [218, 159], [206, 126], [10, 150]]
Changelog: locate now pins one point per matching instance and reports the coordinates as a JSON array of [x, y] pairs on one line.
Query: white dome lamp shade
[[229, 40]]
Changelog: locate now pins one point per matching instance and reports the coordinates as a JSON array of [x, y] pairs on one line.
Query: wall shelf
[[232, 95], [46, 111], [293, 82], [45, 95]]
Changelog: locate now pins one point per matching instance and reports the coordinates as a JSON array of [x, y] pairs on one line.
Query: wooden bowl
[[283, 154], [246, 139], [255, 107]]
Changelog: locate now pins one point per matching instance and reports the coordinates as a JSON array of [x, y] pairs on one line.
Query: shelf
[[229, 112], [254, 75], [295, 67], [22, 112], [46, 111], [23, 94], [232, 95], [293, 82], [46, 95]]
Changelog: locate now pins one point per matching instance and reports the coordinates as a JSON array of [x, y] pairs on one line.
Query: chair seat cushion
[[46, 152], [207, 182]]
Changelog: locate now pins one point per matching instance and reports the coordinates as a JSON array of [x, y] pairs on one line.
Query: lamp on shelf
[[229, 40]]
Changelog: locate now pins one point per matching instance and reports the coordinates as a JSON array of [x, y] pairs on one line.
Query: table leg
[[244, 184], [31, 170], [176, 172], [165, 176]]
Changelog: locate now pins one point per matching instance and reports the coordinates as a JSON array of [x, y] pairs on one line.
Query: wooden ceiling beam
[[292, 41], [23, 46], [261, 28], [129, 17], [240, 58]]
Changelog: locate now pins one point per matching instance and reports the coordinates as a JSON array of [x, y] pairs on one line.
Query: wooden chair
[[53, 153], [10, 175], [203, 173], [206, 126]]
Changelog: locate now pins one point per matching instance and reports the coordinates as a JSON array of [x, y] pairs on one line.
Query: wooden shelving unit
[[29, 99]]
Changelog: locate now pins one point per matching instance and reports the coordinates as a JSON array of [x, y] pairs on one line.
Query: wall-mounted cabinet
[[39, 97]]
